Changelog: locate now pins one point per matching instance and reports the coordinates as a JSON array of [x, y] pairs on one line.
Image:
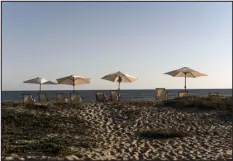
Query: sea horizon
[[135, 94], [122, 89]]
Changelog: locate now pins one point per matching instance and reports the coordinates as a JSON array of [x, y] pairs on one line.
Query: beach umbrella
[[40, 81], [185, 72], [119, 77], [73, 80]]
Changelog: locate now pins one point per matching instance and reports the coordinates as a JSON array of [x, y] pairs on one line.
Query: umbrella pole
[[119, 87], [185, 82], [73, 86], [40, 87]]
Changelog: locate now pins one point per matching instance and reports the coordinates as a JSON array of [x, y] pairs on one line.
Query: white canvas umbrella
[[185, 72], [120, 78], [73, 80], [40, 81]]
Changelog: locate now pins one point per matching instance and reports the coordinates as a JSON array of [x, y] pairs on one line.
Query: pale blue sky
[[143, 39]]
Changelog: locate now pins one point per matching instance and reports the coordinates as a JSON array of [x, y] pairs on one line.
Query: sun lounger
[[213, 95], [160, 94], [114, 95], [27, 98], [60, 97], [100, 97], [74, 98], [43, 97], [183, 94]]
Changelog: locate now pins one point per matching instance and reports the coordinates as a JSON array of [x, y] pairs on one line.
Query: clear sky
[[92, 39]]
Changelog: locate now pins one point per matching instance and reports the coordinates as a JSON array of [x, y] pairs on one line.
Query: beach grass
[[202, 103], [25, 132]]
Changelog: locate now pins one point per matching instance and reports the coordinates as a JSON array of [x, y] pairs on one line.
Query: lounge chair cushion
[[160, 94], [100, 96], [74, 98], [183, 94], [114, 95], [27, 98], [60, 97], [43, 97]]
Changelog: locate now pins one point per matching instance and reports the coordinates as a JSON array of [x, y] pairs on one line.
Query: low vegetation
[[49, 130], [201, 103], [44, 132]]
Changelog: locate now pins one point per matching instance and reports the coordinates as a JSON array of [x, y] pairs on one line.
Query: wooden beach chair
[[214, 95], [74, 98], [114, 95], [183, 94], [160, 95], [43, 97], [100, 97], [60, 97], [27, 98]]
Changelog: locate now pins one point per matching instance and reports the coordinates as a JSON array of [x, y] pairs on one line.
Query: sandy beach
[[122, 131]]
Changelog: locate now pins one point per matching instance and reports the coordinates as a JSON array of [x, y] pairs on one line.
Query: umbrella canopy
[[40, 81], [120, 78], [73, 80], [185, 72]]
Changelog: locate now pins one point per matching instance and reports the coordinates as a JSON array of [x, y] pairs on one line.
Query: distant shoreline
[[121, 89], [148, 94]]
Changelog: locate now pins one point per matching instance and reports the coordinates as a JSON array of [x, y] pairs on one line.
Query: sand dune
[[115, 128]]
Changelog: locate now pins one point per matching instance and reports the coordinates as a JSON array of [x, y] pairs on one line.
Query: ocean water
[[89, 95]]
